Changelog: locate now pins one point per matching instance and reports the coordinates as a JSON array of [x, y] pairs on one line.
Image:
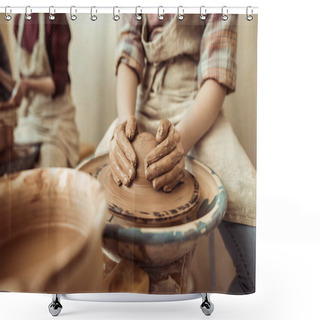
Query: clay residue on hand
[[142, 145], [122, 156], [156, 159], [144, 204]]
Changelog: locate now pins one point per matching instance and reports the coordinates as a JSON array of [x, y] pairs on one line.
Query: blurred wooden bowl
[[51, 221]]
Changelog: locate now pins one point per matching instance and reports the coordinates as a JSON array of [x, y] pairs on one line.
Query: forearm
[[202, 115], [6, 80], [43, 85], [127, 83]]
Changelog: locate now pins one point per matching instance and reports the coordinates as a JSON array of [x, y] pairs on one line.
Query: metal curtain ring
[[116, 17], [7, 16], [138, 15], [51, 13], [73, 17], [249, 17], [224, 16], [180, 15], [93, 17], [27, 15], [203, 13], [160, 16]]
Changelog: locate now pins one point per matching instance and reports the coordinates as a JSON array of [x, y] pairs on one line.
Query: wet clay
[[157, 246], [139, 202], [142, 145]]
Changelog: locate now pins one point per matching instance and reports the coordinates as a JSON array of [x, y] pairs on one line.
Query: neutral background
[[93, 81], [93, 88], [288, 243]]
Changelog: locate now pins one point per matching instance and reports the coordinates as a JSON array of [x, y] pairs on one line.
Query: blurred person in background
[[46, 110]]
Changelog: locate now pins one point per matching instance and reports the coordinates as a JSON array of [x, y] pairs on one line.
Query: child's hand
[[164, 165], [123, 159]]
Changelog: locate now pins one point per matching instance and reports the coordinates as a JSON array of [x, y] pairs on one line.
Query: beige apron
[[168, 90], [42, 118]]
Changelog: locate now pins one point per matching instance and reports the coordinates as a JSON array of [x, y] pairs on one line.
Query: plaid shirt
[[217, 56]]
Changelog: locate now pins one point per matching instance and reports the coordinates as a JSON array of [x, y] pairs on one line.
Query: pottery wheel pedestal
[[171, 279], [165, 253]]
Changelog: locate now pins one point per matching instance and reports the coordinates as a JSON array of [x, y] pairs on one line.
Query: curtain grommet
[[224, 13], [160, 15], [138, 16], [116, 17], [27, 14], [7, 16], [73, 15], [93, 17], [249, 17], [203, 13], [180, 13], [51, 13]]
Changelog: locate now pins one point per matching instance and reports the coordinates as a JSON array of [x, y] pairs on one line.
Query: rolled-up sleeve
[[218, 51], [129, 48]]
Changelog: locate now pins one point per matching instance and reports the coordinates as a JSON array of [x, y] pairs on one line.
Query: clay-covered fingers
[[164, 148], [123, 159], [115, 170], [127, 168], [163, 130], [169, 187], [131, 128], [115, 174], [125, 145], [164, 165], [119, 172], [170, 179]]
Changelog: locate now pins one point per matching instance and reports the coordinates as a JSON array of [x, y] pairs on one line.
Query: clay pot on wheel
[[144, 241], [140, 204]]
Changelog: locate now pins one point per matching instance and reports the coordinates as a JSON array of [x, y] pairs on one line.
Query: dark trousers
[[240, 241]]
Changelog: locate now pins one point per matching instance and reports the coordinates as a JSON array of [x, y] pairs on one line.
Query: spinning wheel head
[[140, 203]]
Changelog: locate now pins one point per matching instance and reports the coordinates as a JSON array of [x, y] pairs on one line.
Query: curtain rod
[[133, 10]]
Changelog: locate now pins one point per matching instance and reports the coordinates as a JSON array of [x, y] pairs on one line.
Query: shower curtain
[[128, 153]]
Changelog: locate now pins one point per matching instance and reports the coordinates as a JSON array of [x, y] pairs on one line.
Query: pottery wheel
[[140, 202], [147, 205]]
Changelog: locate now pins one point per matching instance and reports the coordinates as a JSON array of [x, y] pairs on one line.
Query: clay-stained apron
[[42, 118]]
